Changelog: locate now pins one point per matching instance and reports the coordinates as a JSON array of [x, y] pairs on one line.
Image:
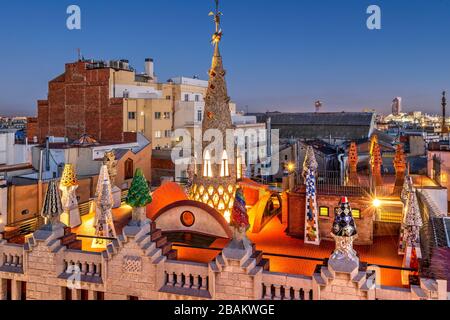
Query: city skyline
[[316, 51]]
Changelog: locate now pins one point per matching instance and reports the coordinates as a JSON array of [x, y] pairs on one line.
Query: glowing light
[[225, 170], [207, 169], [227, 216], [376, 203], [99, 244], [291, 167]]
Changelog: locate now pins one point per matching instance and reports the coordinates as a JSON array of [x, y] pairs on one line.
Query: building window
[[194, 163], [324, 212], [158, 134], [168, 98], [132, 115], [133, 298], [239, 167], [167, 115], [225, 169], [356, 213], [197, 98], [187, 219], [129, 169], [186, 97], [286, 158], [167, 133], [199, 116], [157, 115], [126, 94], [25, 212], [207, 168]]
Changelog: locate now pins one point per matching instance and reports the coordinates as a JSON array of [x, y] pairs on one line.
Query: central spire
[[217, 109], [217, 36], [215, 180]]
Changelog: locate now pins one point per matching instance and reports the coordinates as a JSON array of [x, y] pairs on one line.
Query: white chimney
[[150, 67]]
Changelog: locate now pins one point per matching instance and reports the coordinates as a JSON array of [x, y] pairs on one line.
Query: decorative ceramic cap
[[69, 178], [52, 208]]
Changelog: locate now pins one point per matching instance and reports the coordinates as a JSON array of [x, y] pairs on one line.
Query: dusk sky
[[280, 55]]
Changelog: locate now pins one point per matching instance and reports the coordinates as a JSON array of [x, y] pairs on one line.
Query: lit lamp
[[376, 203], [290, 167]]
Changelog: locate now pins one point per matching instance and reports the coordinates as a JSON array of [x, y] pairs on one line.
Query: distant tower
[[215, 180], [318, 104], [444, 114], [397, 106]]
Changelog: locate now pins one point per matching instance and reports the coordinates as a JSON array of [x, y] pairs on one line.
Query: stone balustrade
[[11, 258], [278, 286], [86, 264], [44, 268], [186, 278]]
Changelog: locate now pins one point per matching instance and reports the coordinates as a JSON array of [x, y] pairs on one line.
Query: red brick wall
[[78, 103], [296, 216], [32, 129]]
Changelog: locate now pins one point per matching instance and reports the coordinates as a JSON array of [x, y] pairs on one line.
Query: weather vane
[[217, 36]]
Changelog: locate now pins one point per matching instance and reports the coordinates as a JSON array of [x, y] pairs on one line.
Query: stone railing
[[88, 265], [186, 278], [11, 258], [278, 286]]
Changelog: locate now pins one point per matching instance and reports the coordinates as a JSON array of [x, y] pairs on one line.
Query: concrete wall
[[12, 153]]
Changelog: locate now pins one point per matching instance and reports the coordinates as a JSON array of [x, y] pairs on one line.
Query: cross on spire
[[217, 36]]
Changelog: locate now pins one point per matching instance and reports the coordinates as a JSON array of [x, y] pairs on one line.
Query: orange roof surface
[[249, 183], [168, 193], [273, 240]]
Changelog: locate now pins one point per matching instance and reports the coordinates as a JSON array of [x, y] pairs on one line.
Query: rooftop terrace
[[272, 240]]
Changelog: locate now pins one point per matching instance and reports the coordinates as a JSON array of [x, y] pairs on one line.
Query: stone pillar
[[16, 290], [3, 289], [139, 217], [76, 294], [92, 295]]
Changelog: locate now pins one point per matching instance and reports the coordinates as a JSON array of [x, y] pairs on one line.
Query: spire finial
[[444, 113], [217, 36]]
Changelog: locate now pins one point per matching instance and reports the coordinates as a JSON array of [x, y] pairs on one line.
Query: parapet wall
[[133, 267]]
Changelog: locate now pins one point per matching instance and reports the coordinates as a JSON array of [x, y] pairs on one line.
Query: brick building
[[79, 103]]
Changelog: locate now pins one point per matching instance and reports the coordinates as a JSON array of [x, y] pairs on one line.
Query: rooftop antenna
[[444, 113], [79, 54]]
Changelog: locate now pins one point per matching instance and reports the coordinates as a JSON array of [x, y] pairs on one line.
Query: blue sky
[[280, 54]]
